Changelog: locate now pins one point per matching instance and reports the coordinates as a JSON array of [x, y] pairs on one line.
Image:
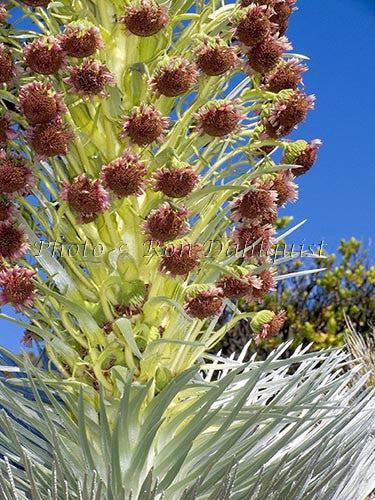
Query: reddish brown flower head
[[39, 103], [286, 189], [36, 3], [7, 211], [287, 75], [7, 69], [125, 176], [242, 287], [145, 18], [17, 287], [254, 238], [16, 178], [180, 260], [44, 55], [265, 55], [282, 11], [87, 197], [13, 241], [253, 26], [205, 304], [286, 114], [305, 156], [6, 132], [3, 13], [145, 125], [174, 78], [215, 58], [175, 182], [50, 139], [80, 41], [166, 223], [219, 119], [255, 204], [89, 79], [130, 310], [272, 327], [268, 284]]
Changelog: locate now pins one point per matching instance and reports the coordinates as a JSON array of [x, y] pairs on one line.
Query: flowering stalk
[[137, 168]]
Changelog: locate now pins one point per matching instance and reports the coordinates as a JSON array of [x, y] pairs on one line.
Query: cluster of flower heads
[[257, 47]]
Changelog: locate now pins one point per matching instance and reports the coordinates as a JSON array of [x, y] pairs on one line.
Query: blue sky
[[336, 196]]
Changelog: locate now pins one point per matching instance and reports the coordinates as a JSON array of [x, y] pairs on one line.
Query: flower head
[[287, 113], [255, 204], [39, 103], [7, 211], [286, 189], [268, 284], [81, 41], [267, 324], [282, 11], [287, 75], [214, 57], [3, 13], [303, 154], [89, 79], [6, 132], [145, 125], [125, 176], [87, 197], [7, 69], [13, 241], [17, 287], [219, 119], [242, 287], [44, 55], [173, 78], [145, 18], [253, 25], [16, 178], [205, 304], [50, 139], [166, 223], [266, 54], [175, 182], [181, 259], [254, 238]]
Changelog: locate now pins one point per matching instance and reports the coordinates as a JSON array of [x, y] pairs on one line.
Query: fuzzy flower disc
[[265, 55], [215, 60], [125, 176], [219, 119], [286, 114], [13, 245], [256, 239], [7, 211], [78, 41], [287, 75], [272, 327], [254, 204], [175, 182], [166, 223], [144, 125], [180, 260], [50, 139], [234, 288], [145, 18], [7, 68], [17, 287], [89, 79], [39, 104], [44, 55], [253, 26], [306, 157], [205, 304], [285, 187], [16, 179], [88, 198], [268, 284], [173, 79]]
